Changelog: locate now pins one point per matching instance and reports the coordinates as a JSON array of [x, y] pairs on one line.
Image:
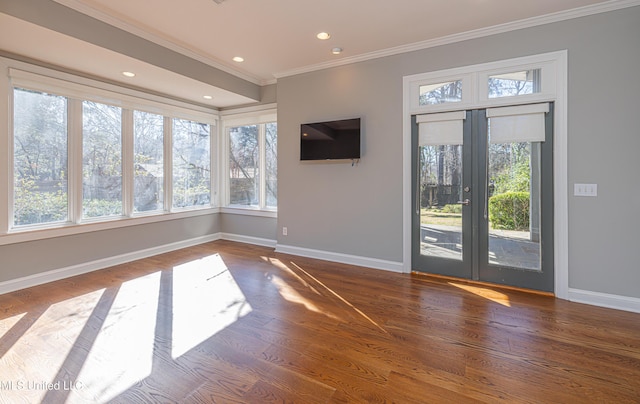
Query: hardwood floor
[[234, 323]]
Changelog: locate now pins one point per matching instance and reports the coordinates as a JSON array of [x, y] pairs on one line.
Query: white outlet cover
[[585, 189]]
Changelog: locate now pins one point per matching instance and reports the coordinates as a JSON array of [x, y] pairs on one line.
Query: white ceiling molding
[[474, 34], [83, 8]]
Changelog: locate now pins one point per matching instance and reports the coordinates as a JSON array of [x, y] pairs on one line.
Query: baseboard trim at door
[[373, 263], [85, 267], [481, 283], [605, 300]]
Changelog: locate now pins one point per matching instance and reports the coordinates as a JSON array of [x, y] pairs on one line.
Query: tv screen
[[332, 140]]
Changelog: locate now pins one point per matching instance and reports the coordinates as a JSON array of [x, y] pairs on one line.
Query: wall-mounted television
[[331, 140]]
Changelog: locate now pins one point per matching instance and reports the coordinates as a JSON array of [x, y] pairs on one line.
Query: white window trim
[[554, 89], [78, 89], [244, 117], [475, 92]]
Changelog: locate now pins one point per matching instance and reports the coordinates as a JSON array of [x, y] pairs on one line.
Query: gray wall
[[249, 226], [357, 210], [34, 257]]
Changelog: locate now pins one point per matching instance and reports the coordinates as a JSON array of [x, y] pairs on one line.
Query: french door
[[483, 195]]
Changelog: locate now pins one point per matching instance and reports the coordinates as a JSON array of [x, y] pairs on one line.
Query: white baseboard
[[617, 302], [62, 273], [605, 300], [341, 258], [264, 242]]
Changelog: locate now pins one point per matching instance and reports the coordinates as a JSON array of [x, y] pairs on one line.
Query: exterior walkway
[[506, 248]]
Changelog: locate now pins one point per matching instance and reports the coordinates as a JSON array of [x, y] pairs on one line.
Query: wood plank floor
[[234, 323]]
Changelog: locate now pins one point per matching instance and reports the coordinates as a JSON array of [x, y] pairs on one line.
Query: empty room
[[242, 201]]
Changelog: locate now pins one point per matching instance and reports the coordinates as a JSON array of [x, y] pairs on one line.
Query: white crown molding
[[468, 35], [85, 9], [612, 5]]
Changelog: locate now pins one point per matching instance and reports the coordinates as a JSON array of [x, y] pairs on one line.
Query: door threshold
[[481, 283]]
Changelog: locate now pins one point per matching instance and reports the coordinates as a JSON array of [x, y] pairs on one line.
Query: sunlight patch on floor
[[490, 294], [280, 265], [321, 286], [206, 299], [41, 350], [122, 351], [7, 323], [291, 295]]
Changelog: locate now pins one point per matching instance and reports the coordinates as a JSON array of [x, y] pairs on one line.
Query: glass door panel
[[514, 205], [441, 227], [440, 193]]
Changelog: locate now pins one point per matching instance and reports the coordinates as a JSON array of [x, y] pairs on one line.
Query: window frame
[[76, 90], [260, 117], [475, 88]]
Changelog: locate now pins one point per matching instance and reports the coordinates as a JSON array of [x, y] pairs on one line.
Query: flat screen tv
[[331, 140]]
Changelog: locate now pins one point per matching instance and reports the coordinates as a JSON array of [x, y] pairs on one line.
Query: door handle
[[466, 202]]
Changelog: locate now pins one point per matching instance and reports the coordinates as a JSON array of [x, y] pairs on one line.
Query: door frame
[[554, 89]]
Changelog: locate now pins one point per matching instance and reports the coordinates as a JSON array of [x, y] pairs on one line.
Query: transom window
[[514, 83], [527, 80], [440, 93]]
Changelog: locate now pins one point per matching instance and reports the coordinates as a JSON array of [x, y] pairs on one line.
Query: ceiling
[[276, 38]]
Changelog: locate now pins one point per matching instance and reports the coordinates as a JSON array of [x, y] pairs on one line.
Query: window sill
[[249, 211], [21, 235]]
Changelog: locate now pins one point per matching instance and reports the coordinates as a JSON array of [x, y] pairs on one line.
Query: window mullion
[[6, 137], [213, 152], [127, 163], [75, 153], [225, 175], [168, 164], [262, 165]]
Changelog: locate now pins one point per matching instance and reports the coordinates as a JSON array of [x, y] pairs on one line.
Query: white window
[[148, 162], [101, 160], [251, 155], [40, 162], [82, 153], [191, 163]]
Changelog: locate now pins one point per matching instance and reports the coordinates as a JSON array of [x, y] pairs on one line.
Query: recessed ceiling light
[[336, 51], [129, 74], [323, 36], [207, 97], [238, 59]]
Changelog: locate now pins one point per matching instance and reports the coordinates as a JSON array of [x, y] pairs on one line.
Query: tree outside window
[[40, 158], [101, 160], [191, 163], [253, 157]]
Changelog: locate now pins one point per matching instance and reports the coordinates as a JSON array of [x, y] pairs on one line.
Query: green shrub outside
[[509, 211]]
